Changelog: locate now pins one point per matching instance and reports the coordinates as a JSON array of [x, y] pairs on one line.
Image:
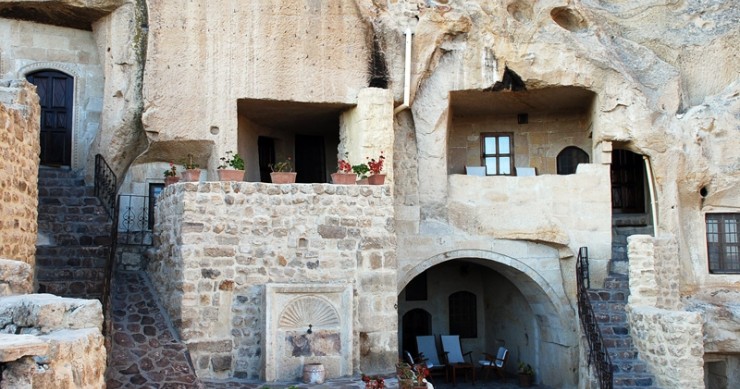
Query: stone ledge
[[47, 312], [13, 347]]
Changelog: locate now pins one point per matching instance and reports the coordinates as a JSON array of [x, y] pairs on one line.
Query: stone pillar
[[367, 129]]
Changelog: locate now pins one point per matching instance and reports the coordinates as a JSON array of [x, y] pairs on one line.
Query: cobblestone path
[[145, 352]]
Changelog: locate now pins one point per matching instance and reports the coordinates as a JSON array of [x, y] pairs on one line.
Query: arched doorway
[[416, 322], [56, 98], [514, 307], [628, 187]]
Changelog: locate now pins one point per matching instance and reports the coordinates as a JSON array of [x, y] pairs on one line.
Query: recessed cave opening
[[271, 131], [377, 66]]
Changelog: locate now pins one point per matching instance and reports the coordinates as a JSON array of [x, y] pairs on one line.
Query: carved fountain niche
[[307, 323]]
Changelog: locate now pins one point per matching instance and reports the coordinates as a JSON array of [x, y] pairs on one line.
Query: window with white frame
[[497, 153], [723, 247]]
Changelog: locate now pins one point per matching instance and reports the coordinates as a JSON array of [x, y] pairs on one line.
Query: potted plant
[[344, 174], [411, 377], [361, 171], [526, 374], [170, 175], [282, 172], [231, 167], [376, 167], [192, 171], [376, 382]]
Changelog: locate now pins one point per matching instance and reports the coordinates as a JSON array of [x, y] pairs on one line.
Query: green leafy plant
[[361, 170], [526, 369], [235, 161], [282, 166], [189, 164]]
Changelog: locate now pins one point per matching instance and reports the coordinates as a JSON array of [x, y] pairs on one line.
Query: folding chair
[[454, 357], [496, 363]]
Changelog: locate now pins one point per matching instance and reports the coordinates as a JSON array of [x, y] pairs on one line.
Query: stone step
[[66, 191], [618, 329], [609, 295], [69, 201], [621, 283], [52, 172], [629, 366], [48, 182], [85, 256], [618, 342], [617, 353], [94, 227], [608, 307], [631, 379]]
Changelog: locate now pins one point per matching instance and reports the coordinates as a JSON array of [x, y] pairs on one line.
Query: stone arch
[[78, 103], [556, 320]]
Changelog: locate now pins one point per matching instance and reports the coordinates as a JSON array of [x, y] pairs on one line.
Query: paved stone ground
[[146, 352]]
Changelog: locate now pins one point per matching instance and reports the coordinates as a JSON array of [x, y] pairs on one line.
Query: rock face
[[79, 14], [51, 342]]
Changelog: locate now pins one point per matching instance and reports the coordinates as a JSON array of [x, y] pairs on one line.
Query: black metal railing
[[106, 185], [598, 355], [134, 220]]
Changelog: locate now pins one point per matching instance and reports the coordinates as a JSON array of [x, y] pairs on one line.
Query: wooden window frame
[[497, 155], [719, 241]]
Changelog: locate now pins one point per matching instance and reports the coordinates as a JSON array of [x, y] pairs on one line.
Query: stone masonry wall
[[19, 152], [654, 272], [670, 340], [220, 243]]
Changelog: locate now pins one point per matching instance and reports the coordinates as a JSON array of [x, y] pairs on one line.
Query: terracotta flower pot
[[230, 175], [283, 177], [376, 179], [344, 178], [171, 180], [191, 175]]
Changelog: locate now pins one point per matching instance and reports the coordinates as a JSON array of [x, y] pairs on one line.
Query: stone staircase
[[74, 236], [619, 263], [608, 304]]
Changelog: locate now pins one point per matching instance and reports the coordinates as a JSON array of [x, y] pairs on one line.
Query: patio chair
[[427, 347], [497, 363], [454, 357]]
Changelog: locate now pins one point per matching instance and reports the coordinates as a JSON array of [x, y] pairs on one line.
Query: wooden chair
[[427, 347], [455, 359], [497, 363]]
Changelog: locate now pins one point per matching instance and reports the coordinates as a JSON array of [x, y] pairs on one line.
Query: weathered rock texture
[[51, 342], [220, 244], [16, 277], [19, 152]]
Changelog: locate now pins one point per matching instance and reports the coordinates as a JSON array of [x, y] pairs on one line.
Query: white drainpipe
[[651, 188], [407, 75]]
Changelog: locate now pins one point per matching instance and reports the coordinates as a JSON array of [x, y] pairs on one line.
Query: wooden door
[[310, 159], [628, 188], [56, 99], [416, 322], [266, 155]]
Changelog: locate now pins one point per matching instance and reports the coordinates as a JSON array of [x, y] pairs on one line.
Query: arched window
[[463, 315], [569, 158]]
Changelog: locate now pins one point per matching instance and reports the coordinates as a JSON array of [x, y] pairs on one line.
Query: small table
[[462, 366]]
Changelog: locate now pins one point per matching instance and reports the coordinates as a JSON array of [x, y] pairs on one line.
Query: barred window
[[723, 247], [463, 315]]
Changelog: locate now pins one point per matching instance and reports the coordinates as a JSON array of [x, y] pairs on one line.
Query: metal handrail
[[106, 185], [598, 354]]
